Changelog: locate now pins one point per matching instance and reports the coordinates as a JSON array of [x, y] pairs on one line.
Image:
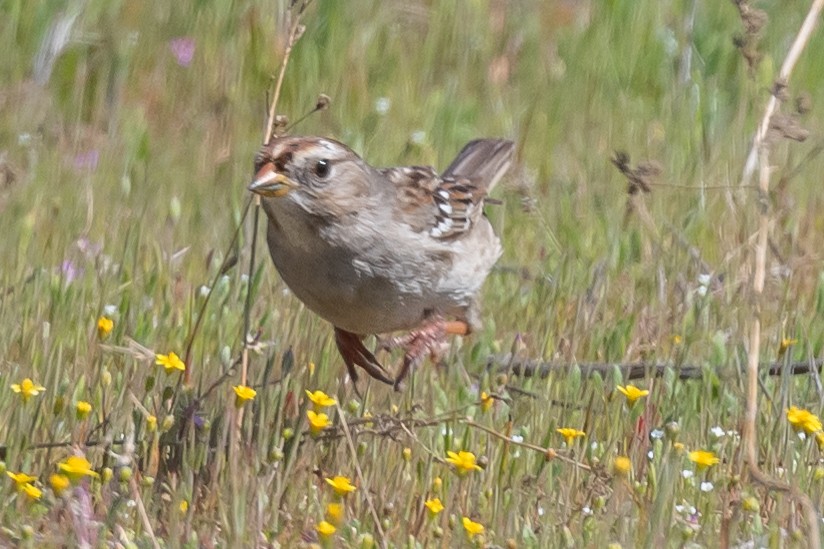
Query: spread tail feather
[[483, 162]]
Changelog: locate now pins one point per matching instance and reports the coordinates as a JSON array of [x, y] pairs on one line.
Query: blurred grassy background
[[127, 132]]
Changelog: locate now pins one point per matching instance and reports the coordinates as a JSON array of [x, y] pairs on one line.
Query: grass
[[122, 179]]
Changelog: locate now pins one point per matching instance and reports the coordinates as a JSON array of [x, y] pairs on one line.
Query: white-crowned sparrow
[[378, 250]]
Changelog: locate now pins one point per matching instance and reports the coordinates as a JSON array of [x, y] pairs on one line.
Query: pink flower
[[87, 160], [183, 48]]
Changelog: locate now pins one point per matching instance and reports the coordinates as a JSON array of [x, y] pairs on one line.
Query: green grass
[[145, 226]]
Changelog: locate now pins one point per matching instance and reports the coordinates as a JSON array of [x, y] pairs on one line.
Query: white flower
[[686, 473], [517, 438], [650, 455], [718, 432], [706, 486], [586, 510], [204, 290], [704, 279], [540, 511], [655, 434], [382, 105], [110, 310]]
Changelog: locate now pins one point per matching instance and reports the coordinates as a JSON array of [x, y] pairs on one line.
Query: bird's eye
[[322, 168]]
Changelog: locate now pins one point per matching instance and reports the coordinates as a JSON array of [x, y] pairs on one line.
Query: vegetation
[[127, 133]]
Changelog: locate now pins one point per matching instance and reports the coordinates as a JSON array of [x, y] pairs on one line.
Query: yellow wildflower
[[151, 423], [82, 409], [570, 434], [472, 528], [27, 389], [59, 483], [334, 513], [622, 465], [486, 401], [434, 505], [77, 467], [21, 479], [677, 340], [320, 400], [802, 419], [785, 344], [170, 362], [703, 458], [325, 529], [464, 462], [104, 326], [184, 506], [632, 393], [341, 485], [317, 422], [243, 394], [32, 491]]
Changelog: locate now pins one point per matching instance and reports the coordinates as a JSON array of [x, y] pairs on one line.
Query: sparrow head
[[315, 172]]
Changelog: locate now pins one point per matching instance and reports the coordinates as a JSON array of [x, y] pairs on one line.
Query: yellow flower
[[320, 400], [311, 368], [632, 393], [317, 422], [622, 465], [570, 434], [785, 344], [434, 505], [472, 528], [464, 462], [170, 362], [59, 483], [334, 513], [32, 491], [325, 529], [151, 423], [341, 485], [184, 506], [486, 401], [802, 419], [243, 394], [21, 479], [27, 389], [703, 458], [678, 447], [82, 409], [819, 440], [677, 340], [77, 467], [104, 326]]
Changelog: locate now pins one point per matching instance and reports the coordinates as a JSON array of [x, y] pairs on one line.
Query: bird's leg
[[428, 339], [354, 353]]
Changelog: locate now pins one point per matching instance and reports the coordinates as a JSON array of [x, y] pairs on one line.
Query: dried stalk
[[760, 153]]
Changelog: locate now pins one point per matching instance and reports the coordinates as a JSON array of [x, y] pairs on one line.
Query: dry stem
[[760, 152]]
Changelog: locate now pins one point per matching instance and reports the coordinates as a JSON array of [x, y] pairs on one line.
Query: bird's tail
[[483, 162]]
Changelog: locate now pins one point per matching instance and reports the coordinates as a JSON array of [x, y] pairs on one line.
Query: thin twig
[[141, 510], [548, 453], [361, 478]]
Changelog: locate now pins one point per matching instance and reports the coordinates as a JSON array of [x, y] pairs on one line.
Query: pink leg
[[428, 339]]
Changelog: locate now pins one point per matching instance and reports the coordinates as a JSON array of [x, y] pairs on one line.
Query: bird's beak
[[268, 182]]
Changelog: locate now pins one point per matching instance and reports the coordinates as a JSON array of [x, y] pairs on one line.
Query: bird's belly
[[349, 293]]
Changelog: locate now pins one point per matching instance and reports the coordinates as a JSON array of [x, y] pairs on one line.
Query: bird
[[380, 250]]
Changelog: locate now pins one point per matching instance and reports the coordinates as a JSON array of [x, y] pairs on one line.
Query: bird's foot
[[354, 353], [428, 339]]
